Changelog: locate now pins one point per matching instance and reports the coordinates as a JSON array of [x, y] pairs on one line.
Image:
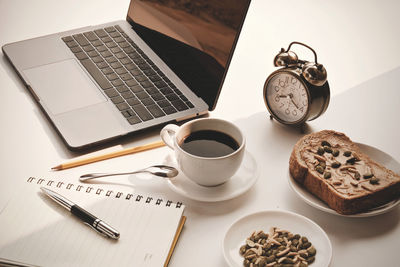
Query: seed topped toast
[[330, 166]]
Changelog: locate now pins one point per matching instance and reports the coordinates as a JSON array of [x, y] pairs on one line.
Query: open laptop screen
[[195, 38]]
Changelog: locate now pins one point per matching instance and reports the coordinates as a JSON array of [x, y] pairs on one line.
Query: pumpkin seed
[[248, 252], [347, 153], [290, 236], [306, 245], [285, 234], [319, 169], [351, 160], [320, 150], [250, 243], [288, 260], [263, 235], [327, 175], [325, 143], [303, 253], [262, 262], [251, 256], [280, 248], [328, 149], [310, 259], [242, 249], [335, 152], [336, 164], [357, 175], [311, 251], [277, 251], [374, 180], [368, 175], [322, 164]]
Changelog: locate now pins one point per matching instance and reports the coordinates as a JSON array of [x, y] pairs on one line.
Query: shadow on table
[[349, 228]]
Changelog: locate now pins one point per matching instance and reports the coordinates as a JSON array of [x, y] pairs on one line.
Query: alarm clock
[[297, 92]]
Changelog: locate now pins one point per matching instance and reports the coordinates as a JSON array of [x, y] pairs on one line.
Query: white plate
[[375, 154], [239, 183], [297, 224]]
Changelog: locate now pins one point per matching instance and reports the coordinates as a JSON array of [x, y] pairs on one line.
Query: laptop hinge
[[192, 116]]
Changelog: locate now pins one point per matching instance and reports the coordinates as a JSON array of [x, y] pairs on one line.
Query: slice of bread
[[330, 166]]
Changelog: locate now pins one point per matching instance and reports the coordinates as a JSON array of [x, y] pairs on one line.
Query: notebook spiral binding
[[99, 191]]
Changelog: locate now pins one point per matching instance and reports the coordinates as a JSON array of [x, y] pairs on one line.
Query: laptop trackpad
[[63, 86]]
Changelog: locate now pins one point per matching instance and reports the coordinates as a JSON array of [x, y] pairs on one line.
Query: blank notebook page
[[36, 230]]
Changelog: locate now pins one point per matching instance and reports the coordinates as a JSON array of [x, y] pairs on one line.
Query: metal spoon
[[157, 170]]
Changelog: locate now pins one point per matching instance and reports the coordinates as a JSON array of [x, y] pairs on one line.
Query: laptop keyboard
[[137, 87]]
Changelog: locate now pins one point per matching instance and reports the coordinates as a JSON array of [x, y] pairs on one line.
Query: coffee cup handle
[[168, 133]]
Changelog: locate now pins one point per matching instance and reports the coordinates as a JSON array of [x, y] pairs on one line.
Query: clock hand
[[294, 103]]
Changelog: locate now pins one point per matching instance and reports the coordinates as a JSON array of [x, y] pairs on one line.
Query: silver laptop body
[[72, 98]]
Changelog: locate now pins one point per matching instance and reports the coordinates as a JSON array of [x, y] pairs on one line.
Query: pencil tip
[[56, 168]]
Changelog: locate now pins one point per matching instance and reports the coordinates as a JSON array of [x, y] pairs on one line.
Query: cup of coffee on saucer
[[208, 151]]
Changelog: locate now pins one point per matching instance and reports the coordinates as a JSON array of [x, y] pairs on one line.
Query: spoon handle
[[90, 176]]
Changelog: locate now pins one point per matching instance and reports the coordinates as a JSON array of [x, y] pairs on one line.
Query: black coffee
[[209, 143]]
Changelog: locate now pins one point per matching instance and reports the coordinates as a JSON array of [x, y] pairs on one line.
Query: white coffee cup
[[206, 171]]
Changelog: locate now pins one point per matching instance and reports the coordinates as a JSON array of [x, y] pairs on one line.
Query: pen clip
[[97, 230]]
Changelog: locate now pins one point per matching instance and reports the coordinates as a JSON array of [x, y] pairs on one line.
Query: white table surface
[[355, 40]]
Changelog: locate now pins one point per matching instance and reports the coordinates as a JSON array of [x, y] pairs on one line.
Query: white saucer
[[297, 224], [239, 183], [375, 154]]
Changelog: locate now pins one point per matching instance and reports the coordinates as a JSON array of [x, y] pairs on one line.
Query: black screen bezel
[[211, 101]]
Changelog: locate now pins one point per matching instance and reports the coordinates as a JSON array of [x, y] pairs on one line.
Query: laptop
[[166, 62]]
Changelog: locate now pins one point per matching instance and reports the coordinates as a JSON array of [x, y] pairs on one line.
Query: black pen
[[89, 219]]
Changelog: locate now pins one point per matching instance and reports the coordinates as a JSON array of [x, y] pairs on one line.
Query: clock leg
[[270, 117], [303, 128]]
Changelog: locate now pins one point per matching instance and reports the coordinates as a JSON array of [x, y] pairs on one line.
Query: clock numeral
[[301, 109], [304, 103], [281, 105], [294, 112], [276, 88], [293, 79], [277, 98], [287, 111], [281, 83]]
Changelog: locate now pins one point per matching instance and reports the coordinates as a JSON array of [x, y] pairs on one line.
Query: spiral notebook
[[34, 230]]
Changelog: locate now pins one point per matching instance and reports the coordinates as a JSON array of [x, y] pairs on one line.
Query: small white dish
[[240, 182], [375, 154], [240, 230]]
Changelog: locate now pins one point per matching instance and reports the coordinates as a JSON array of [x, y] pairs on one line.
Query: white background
[[355, 40]]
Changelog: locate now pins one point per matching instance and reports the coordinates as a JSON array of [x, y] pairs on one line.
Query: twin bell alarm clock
[[297, 92]]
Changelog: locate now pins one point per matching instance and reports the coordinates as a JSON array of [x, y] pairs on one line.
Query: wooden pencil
[[127, 151]]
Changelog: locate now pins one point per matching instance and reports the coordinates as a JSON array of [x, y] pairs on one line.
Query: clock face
[[287, 97]]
